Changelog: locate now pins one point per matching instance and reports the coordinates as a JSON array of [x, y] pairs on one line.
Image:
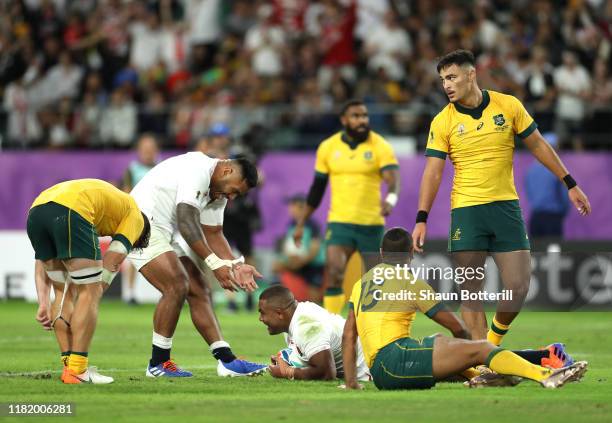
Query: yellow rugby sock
[[78, 362], [65, 358], [333, 300], [497, 332], [507, 363]]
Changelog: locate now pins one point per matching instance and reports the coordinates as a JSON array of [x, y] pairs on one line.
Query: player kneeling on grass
[[396, 360], [313, 335], [64, 224]]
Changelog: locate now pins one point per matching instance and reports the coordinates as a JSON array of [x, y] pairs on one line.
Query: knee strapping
[[87, 275]]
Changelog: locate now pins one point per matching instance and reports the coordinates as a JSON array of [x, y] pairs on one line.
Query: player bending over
[[396, 360], [64, 224], [310, 331], [186, 195]]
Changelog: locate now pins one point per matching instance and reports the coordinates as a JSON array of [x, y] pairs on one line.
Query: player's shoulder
[[444, 116], [329, 141], [502, 99], [378, 140]]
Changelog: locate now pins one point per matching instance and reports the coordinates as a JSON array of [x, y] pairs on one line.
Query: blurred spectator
[[540, 89], [337, 43], [204, 23], [23, 126], [574, 86], [547, 197], [153, 115], [118, 124], [300, 268], [62, 80], [216, 143], [388, 46], [146, 40], [147, 156], [265, 42]]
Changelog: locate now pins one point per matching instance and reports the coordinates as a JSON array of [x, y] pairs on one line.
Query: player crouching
[[313, 336], [396, 360]]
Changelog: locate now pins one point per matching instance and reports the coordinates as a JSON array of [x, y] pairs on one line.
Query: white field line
[[55, 371]]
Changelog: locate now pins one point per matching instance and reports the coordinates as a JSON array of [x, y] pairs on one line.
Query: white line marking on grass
[[54, 371]]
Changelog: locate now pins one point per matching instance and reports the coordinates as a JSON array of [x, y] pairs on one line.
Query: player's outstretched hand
[[43, 316], [418, 236], [245, 275], [580, 201], [226, 278], [351, 386]]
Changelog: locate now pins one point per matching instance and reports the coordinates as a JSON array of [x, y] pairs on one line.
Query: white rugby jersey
[[179, 179], [314, 329]]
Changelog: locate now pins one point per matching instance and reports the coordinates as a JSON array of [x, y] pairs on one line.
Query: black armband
[[317, 190], [569, 181], [421, 216]]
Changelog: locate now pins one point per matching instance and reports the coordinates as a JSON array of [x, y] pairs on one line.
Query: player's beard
[[359, 134]]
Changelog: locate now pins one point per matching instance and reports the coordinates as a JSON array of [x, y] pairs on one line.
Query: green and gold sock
[[333, 300], [497, 332]]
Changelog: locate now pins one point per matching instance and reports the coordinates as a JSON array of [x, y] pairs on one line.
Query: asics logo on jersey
[[480, 125]]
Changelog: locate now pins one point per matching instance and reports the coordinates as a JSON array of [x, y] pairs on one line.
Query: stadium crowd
[[97, 73]]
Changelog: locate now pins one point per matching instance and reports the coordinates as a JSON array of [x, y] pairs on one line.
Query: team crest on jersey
[[461, 129], [367, 155], [499, 119]]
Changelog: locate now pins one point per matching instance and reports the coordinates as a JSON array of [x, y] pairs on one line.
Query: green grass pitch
[[29, 372]]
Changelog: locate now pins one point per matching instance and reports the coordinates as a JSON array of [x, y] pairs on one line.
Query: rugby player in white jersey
[[312, 332], [184, 195]]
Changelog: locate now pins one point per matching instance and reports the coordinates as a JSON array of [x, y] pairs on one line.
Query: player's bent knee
[[178, 288]]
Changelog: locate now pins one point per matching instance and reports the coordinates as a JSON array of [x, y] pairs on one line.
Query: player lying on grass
[[313, 334], [63, 226], [396, 360]]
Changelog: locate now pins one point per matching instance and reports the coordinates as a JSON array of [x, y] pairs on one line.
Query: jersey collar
[[352, 144], [476, 112]]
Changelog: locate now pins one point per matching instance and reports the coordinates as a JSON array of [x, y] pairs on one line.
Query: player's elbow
[[329, 372]]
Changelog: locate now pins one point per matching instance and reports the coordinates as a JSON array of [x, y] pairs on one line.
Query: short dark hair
[[277, 296], [457, 57], [143, 239], [397, 240], [350, 103], [248, 171]]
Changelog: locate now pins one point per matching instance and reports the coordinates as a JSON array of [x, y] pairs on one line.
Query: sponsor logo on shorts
[[457, 235]]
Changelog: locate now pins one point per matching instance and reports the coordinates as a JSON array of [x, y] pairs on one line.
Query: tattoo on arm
[[188, 219]]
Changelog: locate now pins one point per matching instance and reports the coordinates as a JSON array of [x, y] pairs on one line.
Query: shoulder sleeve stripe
[[432, 311], [122, 239], [528, 131], [389, 167], [430, 152]]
